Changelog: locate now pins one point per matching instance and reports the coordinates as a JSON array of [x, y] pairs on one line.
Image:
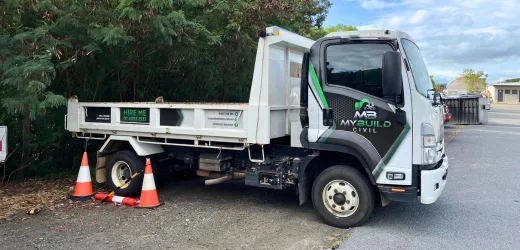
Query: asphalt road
[[480, 207]]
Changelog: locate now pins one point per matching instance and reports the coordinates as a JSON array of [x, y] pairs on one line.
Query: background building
[[505, 92], [456, 87]]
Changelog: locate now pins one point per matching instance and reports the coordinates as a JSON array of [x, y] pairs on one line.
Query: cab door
[[350, 111]]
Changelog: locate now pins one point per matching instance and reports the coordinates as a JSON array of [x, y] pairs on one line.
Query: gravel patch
[[227, 216]]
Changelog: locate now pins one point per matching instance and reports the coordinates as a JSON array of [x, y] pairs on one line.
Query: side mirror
[[304, 85], [392, 78]]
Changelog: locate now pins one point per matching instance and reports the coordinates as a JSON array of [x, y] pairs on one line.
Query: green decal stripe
[[381, 166], [326, 135], [181, 117], [317, 84]]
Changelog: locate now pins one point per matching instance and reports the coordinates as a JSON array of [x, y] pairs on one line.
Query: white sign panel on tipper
[[224, 119], [3, 143]]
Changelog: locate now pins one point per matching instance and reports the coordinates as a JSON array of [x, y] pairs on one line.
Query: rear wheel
[[343, 197], [120, 167]]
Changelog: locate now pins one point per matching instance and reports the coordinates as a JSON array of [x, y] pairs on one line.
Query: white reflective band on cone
[[148, 182], [84, 175], [118, 199]]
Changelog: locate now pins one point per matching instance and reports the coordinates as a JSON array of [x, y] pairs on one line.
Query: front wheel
[[342, 196]]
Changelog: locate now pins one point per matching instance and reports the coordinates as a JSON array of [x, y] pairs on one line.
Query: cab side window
[[422, 79]]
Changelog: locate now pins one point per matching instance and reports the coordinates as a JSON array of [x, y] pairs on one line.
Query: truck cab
[[368, 94]]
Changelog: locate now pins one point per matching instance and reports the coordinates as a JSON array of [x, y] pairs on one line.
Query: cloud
[[453, 35], [419, 17], [376, 4]]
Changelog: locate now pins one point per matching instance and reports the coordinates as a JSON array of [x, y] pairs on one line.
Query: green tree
[[27, 72], [475, 81], [436, 86], [318, 32], [513, 80]]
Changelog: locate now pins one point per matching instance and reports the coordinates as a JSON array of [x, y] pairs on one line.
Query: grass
[[338, 241]]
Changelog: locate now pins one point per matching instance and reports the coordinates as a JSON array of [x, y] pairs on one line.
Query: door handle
[[328, 117]]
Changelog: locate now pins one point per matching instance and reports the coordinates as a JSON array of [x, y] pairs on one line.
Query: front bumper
[[433, 182]]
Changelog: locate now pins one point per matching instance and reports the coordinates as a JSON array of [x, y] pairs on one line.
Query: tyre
[[343, 197], [120, 167]]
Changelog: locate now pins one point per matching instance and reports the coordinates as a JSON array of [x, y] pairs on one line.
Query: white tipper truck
[[347, 121]]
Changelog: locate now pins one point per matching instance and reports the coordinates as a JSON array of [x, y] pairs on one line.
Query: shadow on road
[[232, 192], [397, 213]]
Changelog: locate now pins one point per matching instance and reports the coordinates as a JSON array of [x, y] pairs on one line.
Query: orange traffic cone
[[83, 190], [149, 197]]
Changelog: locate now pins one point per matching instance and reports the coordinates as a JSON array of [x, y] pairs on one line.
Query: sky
[[453, 34]]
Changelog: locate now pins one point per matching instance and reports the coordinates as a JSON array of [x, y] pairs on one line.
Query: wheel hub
[[121, 172], [340, 198]]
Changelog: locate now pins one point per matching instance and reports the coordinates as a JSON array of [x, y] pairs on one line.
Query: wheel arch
[[322, 159], [117, 143]]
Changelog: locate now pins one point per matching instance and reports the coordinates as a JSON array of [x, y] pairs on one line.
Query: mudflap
[[101, 167], [303, 191], [304, 181]]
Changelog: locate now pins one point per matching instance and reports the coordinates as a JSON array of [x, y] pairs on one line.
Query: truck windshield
[[357, 66], [422, 79]]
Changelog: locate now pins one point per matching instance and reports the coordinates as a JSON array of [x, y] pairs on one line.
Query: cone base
[[160, 204], [80, 198]]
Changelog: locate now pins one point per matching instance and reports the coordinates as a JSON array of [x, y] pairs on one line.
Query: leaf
[[196, 3], [112, 36], [131, 13], [159, 4], [92, 48], [36, 86], [52, 101], [177, 18], [45, 5], [222, 6], [164, 28]]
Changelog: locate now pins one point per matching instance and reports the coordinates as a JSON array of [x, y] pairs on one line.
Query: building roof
[[505, 84], [456, 83]]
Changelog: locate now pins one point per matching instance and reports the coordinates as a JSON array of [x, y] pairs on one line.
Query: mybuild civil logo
[[365, 110], [365, 116]]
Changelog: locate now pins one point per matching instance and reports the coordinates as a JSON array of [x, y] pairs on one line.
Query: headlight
[[428, 143], [428, 155]]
